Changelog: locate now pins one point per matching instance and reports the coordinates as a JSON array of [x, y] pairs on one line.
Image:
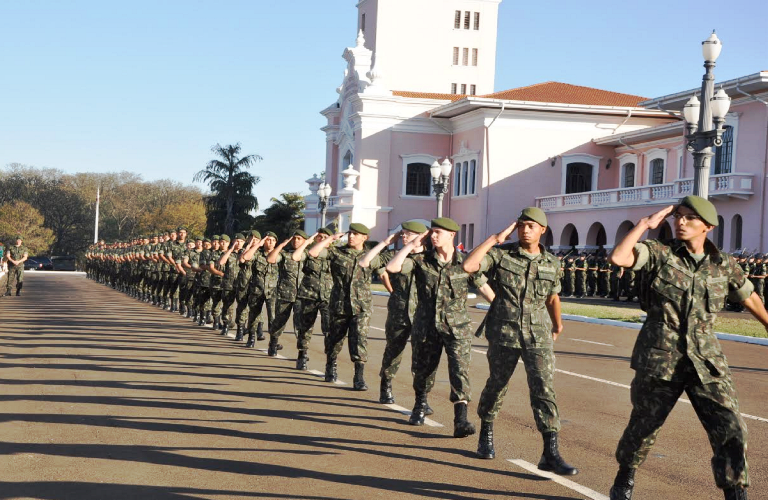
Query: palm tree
[[232, 189]]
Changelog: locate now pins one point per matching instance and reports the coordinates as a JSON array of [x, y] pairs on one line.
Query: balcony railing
[[720, 187]]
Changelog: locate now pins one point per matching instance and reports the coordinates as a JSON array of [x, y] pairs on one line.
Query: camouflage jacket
[[16, 253], [317, 282], [231, 270], [351, 293], [165, 250], [682, 299], [442, 288], [263, 275], [177, 252], [205, 275], [518, 316], [401, 306], [289, 276], [243, 275], [215, 279]]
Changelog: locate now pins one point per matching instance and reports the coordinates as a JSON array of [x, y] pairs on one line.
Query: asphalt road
[[104, 397]]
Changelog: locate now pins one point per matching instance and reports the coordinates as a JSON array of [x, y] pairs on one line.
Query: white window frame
[[458, 160], [415, 158], [625, 159], [579, 158], [731, 119], [656, 154]]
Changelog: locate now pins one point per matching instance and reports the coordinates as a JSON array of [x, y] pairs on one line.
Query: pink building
[[594, 160]]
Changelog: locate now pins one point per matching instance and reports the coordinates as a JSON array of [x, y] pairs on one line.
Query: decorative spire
[[360, 39]]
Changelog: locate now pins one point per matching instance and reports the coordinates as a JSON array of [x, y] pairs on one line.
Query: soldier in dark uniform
[[289, 279], [16, 255], [441, 320], [685, 282], [569, 276], [523, 322], [604, 277]]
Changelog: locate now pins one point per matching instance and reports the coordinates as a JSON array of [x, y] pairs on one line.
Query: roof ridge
[[562, 83]]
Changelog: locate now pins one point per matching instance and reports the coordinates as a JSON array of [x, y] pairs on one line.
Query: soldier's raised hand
[[653, 221], [502, 236], [393, 237]]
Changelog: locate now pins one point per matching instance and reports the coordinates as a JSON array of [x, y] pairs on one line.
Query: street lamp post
[[324, 192], [705, 119], [441, 173]]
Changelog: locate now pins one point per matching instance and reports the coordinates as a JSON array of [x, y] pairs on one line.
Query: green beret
[[215, 237], [199, 238], [225, 237], [325, 230], [168, 233], [445, 223], [703, 208], [414, 226], [255, 234], [18, 237], [301, 233], [359, 228], [534, 214], [270, 233], [180, 228], [206, 240], [239, 236]]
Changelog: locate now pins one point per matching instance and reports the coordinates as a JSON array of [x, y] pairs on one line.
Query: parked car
[[63, 263], [45, 262], [32, 265]]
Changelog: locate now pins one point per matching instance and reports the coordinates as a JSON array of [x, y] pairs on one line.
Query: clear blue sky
[[149, 87]]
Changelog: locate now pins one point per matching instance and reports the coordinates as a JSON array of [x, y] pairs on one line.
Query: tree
[[231, 201], [283, 216], [20, 218]]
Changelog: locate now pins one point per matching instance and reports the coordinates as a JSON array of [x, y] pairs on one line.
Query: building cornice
[[756, 83], [664, 132]]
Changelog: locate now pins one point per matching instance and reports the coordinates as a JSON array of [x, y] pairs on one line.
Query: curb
[[75, 273], [386, 294], [637, 326]]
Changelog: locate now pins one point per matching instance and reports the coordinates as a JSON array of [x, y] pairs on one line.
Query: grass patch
[[376, 287], [603, 312], [747, 325]]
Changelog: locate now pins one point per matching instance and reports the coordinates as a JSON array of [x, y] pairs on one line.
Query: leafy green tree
[[283, 217], [231, 201], [20, 218]]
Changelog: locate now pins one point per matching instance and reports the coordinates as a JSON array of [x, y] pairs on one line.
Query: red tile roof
[[553, 92]]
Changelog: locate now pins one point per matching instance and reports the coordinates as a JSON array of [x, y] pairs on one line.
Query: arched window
[[724, 153], [736, 232], [657, 171], [720, 232], [628, 175], [418, 179], [578, 178]]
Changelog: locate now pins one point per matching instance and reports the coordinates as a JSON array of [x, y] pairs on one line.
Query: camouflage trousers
[[604, 285], [283, 311], [356, 325], [759, 288], [427, 344], [539, 368], [15, 277], [715, 404], [592, 283], [569, 283], [304, 317], [256, 302], [397, 331], [216, 302], [203, 299], [228, 299], [241, 310], [174, 280], [581, 283]]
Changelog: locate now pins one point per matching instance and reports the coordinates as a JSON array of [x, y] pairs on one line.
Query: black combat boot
[[7, 293], [485, 443], [260, 331], [175, 305], [19, 286], [239, 335], [385, 392], [624, 484], [225, 327], [217, 322], [273, 346], [358, 382], [251, 342], [330, 370], [417, 415], [551, 459], [302, 360], [428, 409], [461, 426], [737, 493], [201, 319]]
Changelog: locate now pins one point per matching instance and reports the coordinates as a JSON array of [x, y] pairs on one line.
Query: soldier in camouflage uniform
[[261, 290], [217, 277], [350, 302], [203, 302], [570, 276], [757, 271], [401, 308], [289, 279], [684, 283], [581, 275], [189, 261], [16, 255], [523, 322], [593, 269], [441, 320], [312, 297], [178, 248], [242, 284], [604, 271], [230, 260]]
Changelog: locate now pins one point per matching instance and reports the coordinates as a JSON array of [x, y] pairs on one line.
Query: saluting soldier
[[289, 279], [523, 321], [16, 256], [441, 320], [261, 288], [685, 283], [312, 297], [204, 296], [241, 285], [230, 260], [350, 302], [217, 275]]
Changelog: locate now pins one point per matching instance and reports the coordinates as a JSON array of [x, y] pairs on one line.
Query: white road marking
[[592, 342], [406, 411], [616, 384], [322, 374], [583, 490], [279, 356], [377, 328], [479, 351]]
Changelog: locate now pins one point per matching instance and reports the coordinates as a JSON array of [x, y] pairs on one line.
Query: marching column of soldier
[[230, 282]]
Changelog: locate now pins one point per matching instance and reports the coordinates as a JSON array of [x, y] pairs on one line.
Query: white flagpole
[[96, 229]]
